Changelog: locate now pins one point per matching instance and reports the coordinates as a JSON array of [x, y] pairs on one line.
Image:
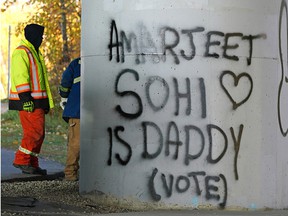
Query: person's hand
[[46, 111], [28, 106], [63, 102]]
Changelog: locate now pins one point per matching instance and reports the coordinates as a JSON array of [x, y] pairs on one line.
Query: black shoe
[[27, 169], [40, 171]]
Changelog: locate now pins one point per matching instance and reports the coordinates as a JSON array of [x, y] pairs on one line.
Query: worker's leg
[[73, 150], [33, 125]]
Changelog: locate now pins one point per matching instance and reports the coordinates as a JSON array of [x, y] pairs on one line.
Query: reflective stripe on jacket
[[29, 74]]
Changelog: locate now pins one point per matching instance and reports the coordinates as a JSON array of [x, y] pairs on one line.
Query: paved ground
[[11, 174]]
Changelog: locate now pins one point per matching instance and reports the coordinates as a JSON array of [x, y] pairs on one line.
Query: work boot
[[40, 171], [71, 178], [27, 169]]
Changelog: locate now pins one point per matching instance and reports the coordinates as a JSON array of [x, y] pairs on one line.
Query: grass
[[55, 143]]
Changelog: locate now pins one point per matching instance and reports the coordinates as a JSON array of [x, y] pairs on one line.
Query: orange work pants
[[33, 125]]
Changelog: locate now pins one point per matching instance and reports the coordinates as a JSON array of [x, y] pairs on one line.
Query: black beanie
[[33, 33]]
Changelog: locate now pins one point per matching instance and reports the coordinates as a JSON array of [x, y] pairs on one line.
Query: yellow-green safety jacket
[[29, 75]]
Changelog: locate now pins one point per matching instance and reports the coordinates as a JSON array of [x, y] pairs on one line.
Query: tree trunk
[[65, 58]]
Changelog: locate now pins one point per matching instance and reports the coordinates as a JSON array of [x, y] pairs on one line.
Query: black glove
[[47, 110], [28, 106], [27, 100]]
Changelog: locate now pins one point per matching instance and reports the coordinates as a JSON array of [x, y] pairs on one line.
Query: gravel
[[59, 195]]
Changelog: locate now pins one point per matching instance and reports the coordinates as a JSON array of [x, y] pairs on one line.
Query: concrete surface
[[178, 116]]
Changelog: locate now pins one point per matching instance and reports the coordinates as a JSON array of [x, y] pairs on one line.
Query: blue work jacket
[[70, 88]]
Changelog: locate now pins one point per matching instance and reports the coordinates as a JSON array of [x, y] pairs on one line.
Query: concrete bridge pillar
[[184, 103]]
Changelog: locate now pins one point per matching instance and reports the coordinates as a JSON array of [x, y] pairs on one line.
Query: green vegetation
[[55, 143]]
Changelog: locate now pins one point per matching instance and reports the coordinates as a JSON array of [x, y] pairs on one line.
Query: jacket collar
[[26, 43]]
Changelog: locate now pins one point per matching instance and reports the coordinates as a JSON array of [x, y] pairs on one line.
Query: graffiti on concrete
[[236, 82], [182, 184], [146, 46], [172, 139], [283, 85]]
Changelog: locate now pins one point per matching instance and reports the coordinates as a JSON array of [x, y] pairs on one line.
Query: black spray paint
[[163, 143], [211, 38], [284, 79], [236, 82], [183, 184], [185, 96], [159, 49]]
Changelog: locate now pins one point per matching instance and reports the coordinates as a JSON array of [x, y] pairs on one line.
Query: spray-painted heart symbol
[[236, 82], [284, 79]]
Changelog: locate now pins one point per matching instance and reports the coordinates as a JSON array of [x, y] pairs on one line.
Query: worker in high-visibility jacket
[[69, 91], [30, 94]]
